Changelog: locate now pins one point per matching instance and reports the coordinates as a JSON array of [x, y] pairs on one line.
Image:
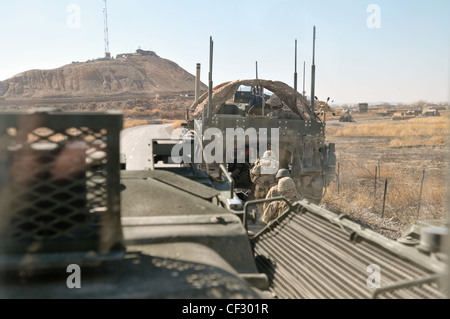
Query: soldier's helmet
[[282, 173], [286, 184], [275, 102], [269, 163], [267, 154]]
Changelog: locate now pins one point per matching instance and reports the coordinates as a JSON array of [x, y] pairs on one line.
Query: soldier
[[273, 192], [263, 176], [240, 171], [276, 106], [287, 189]]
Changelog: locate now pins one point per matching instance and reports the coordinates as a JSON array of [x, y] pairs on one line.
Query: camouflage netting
[[225, 91]]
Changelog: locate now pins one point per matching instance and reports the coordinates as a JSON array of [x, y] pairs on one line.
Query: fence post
[[384, 197], [379, 170], [338, 176], [375, 193], [420, 194]]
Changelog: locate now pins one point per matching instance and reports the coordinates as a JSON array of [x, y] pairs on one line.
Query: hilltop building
[[139, 52]]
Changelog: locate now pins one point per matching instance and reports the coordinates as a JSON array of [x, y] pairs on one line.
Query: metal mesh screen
[[59, 182]]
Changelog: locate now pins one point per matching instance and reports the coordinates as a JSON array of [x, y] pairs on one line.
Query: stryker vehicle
[[76, 224], [300, 133], [71, 218], [239, 111]]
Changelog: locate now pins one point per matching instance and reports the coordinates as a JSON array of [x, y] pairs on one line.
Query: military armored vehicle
[[347, 117], [75, 224], [298, 135], [240, 112]]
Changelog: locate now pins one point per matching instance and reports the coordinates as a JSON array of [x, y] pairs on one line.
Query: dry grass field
[[411, 155], [130, 123]]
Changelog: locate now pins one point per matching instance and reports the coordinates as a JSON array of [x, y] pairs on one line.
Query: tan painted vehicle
[[300, 132]]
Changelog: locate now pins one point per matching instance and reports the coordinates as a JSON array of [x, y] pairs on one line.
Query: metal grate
[[306, 256], [59, 182]]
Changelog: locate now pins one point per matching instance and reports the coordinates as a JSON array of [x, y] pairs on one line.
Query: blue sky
[[397, 52]]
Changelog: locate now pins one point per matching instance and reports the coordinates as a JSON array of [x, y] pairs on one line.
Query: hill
[[128, 75]]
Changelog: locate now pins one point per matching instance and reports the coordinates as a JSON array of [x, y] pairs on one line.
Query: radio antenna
[[313, 71], [295, 75]]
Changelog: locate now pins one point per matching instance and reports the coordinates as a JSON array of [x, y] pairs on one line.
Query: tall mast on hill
[[105, 13]]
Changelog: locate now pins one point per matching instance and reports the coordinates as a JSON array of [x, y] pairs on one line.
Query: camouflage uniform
[[263, 176], [273, 192], [286, 188]]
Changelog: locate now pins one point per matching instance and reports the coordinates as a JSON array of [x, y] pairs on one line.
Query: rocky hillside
[[126, 75]]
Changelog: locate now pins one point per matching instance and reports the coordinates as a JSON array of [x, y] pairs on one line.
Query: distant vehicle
[[346, 118], [430, 112]]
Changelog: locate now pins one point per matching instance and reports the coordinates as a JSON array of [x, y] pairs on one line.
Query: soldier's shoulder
[[272, 191]]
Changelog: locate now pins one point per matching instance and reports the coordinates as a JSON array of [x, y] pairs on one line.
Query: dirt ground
[[416, 176]]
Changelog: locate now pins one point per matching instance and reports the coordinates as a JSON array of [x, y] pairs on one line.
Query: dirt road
[[134, 143]]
